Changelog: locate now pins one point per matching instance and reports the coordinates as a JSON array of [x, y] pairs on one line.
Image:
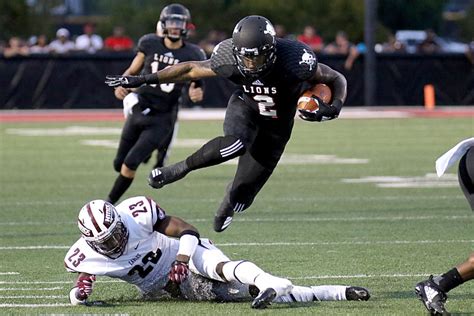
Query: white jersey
[[148, 254]]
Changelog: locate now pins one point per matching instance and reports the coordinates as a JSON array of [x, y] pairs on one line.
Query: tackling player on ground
[[137, 242], [433, 292], [272, 73], [152, 110]]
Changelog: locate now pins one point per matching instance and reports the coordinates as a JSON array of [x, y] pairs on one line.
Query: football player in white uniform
[[138, 243]]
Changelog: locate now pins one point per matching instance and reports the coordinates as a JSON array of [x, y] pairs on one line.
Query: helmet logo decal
[[308, 59], [269, 29], [249, 51], [94, 222], [108, 215]]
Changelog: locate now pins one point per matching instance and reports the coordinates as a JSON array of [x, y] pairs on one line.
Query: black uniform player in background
[[272, 74], [154, 108]]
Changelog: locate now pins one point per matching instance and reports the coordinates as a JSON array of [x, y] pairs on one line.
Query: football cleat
[[356, 293], [264, 299], [432, 297], [160, 177]]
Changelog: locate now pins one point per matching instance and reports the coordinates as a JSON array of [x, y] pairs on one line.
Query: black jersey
[[275, 93], [163, 97]]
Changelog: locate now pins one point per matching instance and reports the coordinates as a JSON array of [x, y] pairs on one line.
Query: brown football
[[306, 102]]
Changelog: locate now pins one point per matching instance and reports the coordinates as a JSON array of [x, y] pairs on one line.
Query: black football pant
[[141, 135], [264, 139]]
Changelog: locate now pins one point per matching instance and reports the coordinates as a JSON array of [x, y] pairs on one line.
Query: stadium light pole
[[370, 72]]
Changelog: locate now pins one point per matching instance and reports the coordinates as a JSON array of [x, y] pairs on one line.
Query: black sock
[[216, 151], [120, 186], [449, 280]]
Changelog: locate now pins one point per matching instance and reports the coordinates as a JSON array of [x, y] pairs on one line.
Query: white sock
[[280, 285], [243, 271], [314, 293]]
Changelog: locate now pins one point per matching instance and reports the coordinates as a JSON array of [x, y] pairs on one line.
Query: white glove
[[74, 299], [128, 103]]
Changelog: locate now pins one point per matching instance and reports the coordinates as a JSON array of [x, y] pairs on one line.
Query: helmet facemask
[[113, 244], [173, 22], [253, 61]]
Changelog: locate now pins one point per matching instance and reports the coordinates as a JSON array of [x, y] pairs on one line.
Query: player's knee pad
[[118, 164], [132, 163]]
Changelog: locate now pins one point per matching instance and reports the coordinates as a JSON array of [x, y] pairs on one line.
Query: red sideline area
[[218, 114]]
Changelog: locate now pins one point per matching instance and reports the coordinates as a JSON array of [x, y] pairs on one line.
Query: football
[[306, 102]]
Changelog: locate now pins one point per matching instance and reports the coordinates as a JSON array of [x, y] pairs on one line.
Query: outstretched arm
[[181, 72], [188, 241]]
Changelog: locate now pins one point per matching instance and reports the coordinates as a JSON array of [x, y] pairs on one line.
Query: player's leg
[[466, 176], [164, 151], [128, 138], [239, 131], [253, 170], [324, 293]]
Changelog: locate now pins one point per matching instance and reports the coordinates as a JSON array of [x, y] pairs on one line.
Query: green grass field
[[307, 224]]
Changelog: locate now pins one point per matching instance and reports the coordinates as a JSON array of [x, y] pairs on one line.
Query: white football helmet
[[102, 228]]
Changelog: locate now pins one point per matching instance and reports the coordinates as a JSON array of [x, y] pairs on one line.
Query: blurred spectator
[[118, 41], [310, 38], [2, 47], [429, 44], [40, 45], [213, 38], [343, 46], [392, 45], [280, 30], [16, 47], [62, 44], [89, 42], [470, 51]]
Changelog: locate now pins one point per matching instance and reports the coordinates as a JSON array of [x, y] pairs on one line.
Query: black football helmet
[[254, 45], [174, 16]]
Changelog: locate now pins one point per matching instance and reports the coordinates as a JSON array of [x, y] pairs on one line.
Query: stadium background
[[354, 201]]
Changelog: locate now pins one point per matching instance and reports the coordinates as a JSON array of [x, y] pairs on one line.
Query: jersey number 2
[[266, 106], [151, 257]]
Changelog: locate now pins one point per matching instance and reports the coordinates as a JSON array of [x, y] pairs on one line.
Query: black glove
[[179, 272], [125, 81], [325, 112]]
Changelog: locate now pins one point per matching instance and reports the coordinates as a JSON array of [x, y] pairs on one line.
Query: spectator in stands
[[429, 45], [470, 51], [343, 46], [311, 38], [213, 38], [40, 45], [118, 41], [280, 31], [89, 42], [392, 45], [16, 47], [62, 44], [2, 47]]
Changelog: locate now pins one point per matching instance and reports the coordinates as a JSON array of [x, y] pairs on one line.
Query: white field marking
[[179, 143], [33, 296], [66, 131], [35, 305], [362, 276], [429, 180], [319, 243], [288, 219], [58, 282], [283, 199], [9, 273], [31, 289], [305, 159]]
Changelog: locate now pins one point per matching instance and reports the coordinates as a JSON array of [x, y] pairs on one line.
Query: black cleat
[[432, 297], [264, 299], [356, 293], [160, 177], [221, 222]]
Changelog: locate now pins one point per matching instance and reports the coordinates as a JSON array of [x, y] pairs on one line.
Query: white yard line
[[31, 289], [35, 305], [9, 273], [34, 296], [318, 243]]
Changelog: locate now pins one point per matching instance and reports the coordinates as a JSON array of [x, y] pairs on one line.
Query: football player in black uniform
[[153, 108], [272, 74], [433, 291]]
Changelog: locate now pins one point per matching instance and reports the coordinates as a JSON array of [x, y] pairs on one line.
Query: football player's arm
[[82, 289], [188, 235], [188, 241], [327, 75], [134, 68], [181, 72]]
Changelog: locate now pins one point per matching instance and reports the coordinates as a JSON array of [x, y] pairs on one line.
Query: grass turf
[[305, 224]]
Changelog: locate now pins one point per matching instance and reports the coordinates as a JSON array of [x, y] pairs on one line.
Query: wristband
[[151, 78], [187, 245]]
